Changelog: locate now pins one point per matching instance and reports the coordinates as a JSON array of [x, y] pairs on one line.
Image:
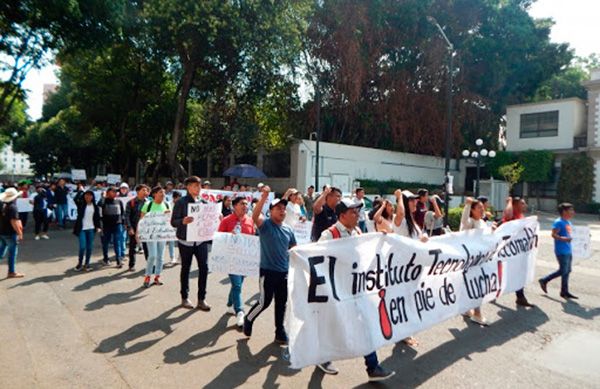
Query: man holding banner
[[188, 248], [348, 213], [276, 238], [238, 223]]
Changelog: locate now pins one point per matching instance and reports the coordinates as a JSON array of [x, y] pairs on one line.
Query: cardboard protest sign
[[352, 296], [302, 231], [581, 243], [113, 178], [156, 226], [206, 221], [78, 175], [235, 254]]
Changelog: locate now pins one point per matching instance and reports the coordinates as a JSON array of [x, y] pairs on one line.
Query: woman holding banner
[[472, 218], [237, 223], [156, 249]]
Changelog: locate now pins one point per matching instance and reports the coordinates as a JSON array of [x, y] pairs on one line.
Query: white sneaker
[[45, 237], [37, 237], [231, 311], [240, 319]]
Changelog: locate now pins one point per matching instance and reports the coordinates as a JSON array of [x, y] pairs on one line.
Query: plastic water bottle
[[238, 228]]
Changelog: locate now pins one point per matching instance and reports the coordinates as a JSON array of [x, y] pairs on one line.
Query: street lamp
[[478, 155], [447, 138]]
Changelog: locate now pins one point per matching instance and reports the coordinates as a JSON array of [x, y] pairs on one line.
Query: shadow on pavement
[[45, 279], [184, 352], [413, 372], [236, 374], [161, 323], [572, 307], [96, 281], [115, 299]]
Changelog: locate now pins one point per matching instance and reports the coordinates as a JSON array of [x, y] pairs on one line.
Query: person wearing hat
[[11, 230], [206, 184], [348, 214], [276, 238], [293, 212], [237, 223], [113, 216], [189, 249], [404, 221]]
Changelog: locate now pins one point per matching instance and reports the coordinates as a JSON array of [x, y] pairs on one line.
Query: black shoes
[[568, 296], [543, 285]]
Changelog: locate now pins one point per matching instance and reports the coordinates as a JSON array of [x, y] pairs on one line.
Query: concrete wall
[[572, 121], [341, 165]]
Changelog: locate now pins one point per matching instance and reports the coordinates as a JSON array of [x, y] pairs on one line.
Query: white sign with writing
[[156, 226], [113, 178], [206, 221], [352, 296], [78, 175], [302, 231], [581, 243], [235, 254]]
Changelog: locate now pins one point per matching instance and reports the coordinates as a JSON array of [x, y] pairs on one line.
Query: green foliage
[[576, 180], [502, 158], [538, 165], [389, 186], [512, 173], [569, 81], [454, 215]]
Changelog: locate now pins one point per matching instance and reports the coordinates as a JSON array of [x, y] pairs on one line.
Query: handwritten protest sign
[[156, 226], [384, 288], [25, 204], [302, 232], [78, 175], [581, 243], [235, 254], [113, 178], [206, 221]]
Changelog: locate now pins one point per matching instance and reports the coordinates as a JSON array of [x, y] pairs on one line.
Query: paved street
[[63, 329]]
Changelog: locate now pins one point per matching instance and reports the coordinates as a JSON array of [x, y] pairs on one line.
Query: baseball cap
[[124, 185], [346, 204], [277, 202], [206, 183]]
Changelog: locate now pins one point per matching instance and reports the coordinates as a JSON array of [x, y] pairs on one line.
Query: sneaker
[[45, 237], [281, 339], [231, 310], [380, 374], [37, 237], [78, 268], [106, 262], [203, 306], [479, 320], [240, 319], [247, 327], [328, 368], [147, 282], [186, 303], [157, 281], [15, 275], [88, 268], [543, 285]]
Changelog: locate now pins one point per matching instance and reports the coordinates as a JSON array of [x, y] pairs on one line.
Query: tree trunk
[[186, 84]]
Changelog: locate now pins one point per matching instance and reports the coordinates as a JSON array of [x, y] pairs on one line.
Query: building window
[[538, 125]]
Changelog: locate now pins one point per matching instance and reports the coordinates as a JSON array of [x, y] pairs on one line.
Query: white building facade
[[14, 164]]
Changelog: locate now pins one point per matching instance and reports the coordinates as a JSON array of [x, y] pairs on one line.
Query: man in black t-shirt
[[324, 211], [11, 229]]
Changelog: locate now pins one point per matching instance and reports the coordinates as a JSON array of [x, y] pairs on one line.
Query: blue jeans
[[86, 245], [155, 257], [235, 293], [62, 214], [124, 236], [171, 246], [8, 243], [371, 361], [115, 234], [564, 268]]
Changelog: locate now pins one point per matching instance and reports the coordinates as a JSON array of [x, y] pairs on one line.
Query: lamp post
[[477, 155], [448, 135]]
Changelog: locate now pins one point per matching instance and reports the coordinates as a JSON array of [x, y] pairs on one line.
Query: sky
[[577, 22]]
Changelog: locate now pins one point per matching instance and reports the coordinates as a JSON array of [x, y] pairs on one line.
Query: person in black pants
[[40, 214], [189, 249], [276, 238], [133, 212]]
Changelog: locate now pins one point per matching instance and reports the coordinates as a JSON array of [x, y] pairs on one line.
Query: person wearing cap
[[11, 230], [276, 238], [348, 214], [86, 226], [293, 212], [113, 216], [434, 220], [189, 249], [237, 223], [324, 211], [404, 221], [206, 184]]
